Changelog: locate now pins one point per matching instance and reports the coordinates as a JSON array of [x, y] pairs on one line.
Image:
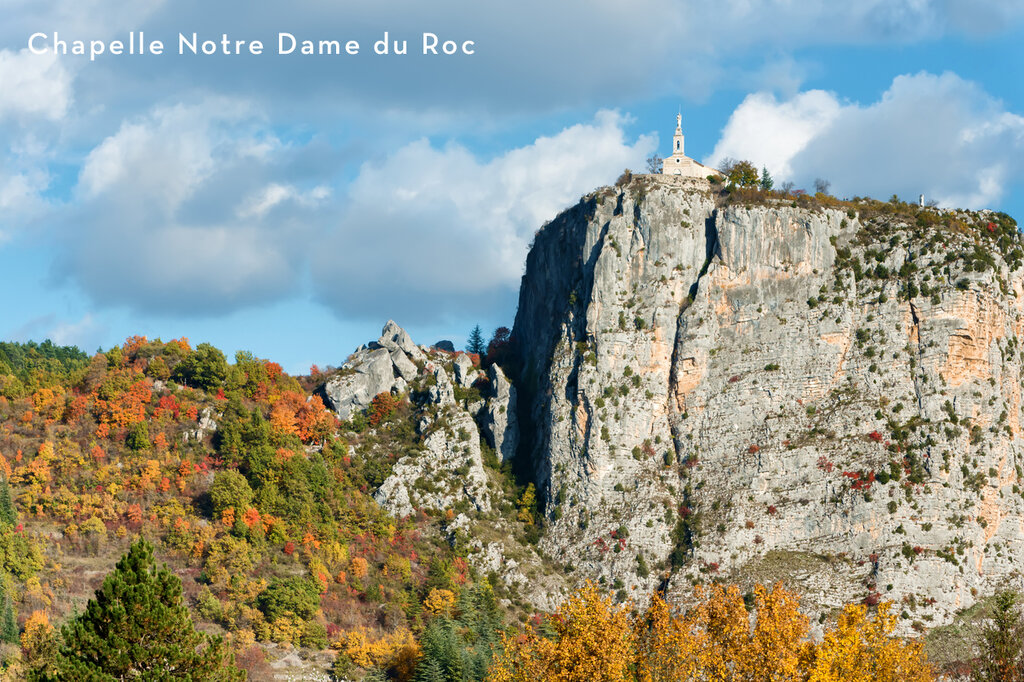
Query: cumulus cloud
[[439, 229], [581, 53], [33, 85], [772, 132], [180, 210], [939, 135]]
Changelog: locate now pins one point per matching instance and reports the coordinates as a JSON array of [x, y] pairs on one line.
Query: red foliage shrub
[[753, 449], [875, 436], [382, 406]]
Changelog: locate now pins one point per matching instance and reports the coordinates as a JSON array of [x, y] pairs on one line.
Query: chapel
[[681, 164]]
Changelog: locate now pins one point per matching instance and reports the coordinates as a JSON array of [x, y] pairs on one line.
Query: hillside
[[703, 385]]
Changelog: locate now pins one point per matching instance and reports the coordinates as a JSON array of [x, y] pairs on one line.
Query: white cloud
[[431, 229], [274, 194], [934, 134], [85, 332], [33, 86], [156, 222], [771, 133]]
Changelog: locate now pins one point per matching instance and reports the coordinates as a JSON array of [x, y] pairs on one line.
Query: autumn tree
[[593, 642], [498, 348], [1002, 643], [715, 639], [136, 627], [743, 174], [861, 649]]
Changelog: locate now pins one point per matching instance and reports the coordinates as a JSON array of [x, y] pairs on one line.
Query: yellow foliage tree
[[593, 643], [397, 650], [861, 649], [439, 602], [715, 640]]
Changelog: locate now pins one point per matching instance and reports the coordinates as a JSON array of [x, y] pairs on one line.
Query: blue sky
[[291, 205]]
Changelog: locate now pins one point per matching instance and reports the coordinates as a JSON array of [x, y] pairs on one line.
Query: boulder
[[370, 372], [403, 365], [463, 370]]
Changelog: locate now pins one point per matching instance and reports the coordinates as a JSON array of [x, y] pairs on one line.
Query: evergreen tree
[[8, 515], [1001, 643], [8, 621], [137, 628], [766, 179], [375, 675], [476, 342], [429, 670]]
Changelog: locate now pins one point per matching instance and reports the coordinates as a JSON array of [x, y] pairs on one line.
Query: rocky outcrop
[[387, 365], [464, 371], [448, 472], [441, 392], [501, 423], [774, 390]]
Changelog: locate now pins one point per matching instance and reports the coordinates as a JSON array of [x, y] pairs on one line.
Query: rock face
[[501, 425], [826, 395]]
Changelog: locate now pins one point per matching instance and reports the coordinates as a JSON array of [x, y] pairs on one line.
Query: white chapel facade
[[681, 164]]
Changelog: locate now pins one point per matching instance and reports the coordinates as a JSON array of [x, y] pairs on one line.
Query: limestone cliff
[[827, 392]]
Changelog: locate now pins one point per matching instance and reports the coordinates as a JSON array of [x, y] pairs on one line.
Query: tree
[[767, 183], [713, 640], [230, 489], [861, 649], [8, 621], [475, 344], [137, 628], [1001, 643], [593, 642], [205, 367], [8, 514], [654, 163], [293, 595], [743, 174], [821, 186], [498, 347]]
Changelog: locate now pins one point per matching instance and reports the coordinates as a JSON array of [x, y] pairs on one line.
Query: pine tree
[[476, 342], [8, 514], [137, 628], [8, 621], [429, 670], [441, 645], [766, 179], [375, 675], [1001, 644]]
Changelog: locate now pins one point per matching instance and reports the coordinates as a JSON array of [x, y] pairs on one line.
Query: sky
[[290, 204]]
